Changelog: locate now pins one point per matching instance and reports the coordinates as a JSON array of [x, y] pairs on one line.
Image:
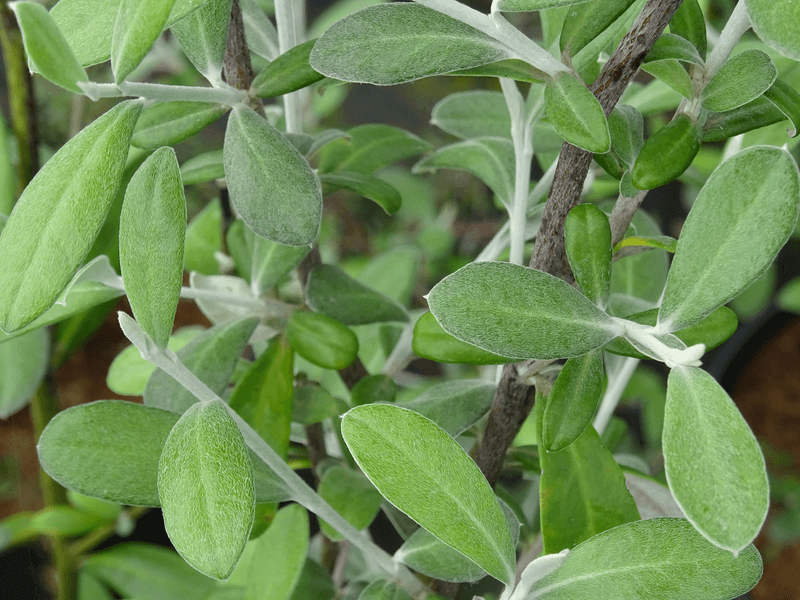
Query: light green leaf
[[90, 588], [393, 273], [65, 521], [212, 356], [151, 233], [373, 388], [752, 199], [167, 123], [584, 23], [532, 5], [312, 404], [203, 36], [394, 43], [322, 340], [205, 483], [271, 185], [425, 473], [204, 239], [373, 188], [203, 167], [714, 465], [46, 47], [147, 571], [787, 100], [333, 293], [94, 506], [666, 154], [477, 113], [518, 312], [271, 261], [576, 114], [671, 72], [673, 47], [137, 26], [489, 159], [23, 364], [777, 23], [352, 496], [587, 237], [455, 406], [434, 343], [383, 589], [573, 401], [690, 23], [370, 148], [59, 215], [663, 556], [742, 79], [287, 73], [263, 397]]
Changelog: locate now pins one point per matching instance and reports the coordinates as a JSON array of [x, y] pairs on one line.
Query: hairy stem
[[288, 18]]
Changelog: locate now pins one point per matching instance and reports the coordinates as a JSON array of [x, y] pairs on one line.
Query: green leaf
[[673, 47], [212, 356], [584, 23], [582, 490], [740, 80], [759, 113], [147, 571], [714, 465], [395, 43], [587, 237], [434, 343], [94, 506], [689, 23], [489, 159], [263, 397], [203, 37], [511, 68], [151, 234], [313, 404], [203, 167], [261, 35], [287, 73], [532, 5], [752, 199], [425, 473], [777, 23], [59, 215], [663, 556], [671, 72], [204, 239], [382, 193], [333, 293], [89, 588], [393, 273], [787, 100], [626, 126], [352, 496], [573, 401], [65, 521], [8, 175], [477, 113], [271, 261], [46, 47], [373, 388], [322, 340], [519, 312], [137, 26], [576, 114], [205, 483], [315, 582], [370, 148], [271, 185], [788, 297], [383, 589], [455, 406], [666, 154], [167, 123], [23, 365], [662, 242]]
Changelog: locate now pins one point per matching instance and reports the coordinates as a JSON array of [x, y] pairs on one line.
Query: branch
[[236, 68]]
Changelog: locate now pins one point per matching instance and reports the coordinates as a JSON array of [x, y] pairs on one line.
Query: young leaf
[[65, 521], [23, 364], [205, 483], [518, 312], [587, 237], [630, 561], [333, 293], [271, 185], [673, 47], [382, 193], [383, 589], [742, 79], [203, 36], [59, 214], [714, 465], [425, 473], [151, 234], [382, 44], [136, 28], [322, 340], [777, 23], [201, 168], [752, 199], [477, 113], [666, 154], [576, 114], [671, 72], [434, 343], [787, 100], [689, 23], [584, 23], [352, 496], [271, 261], [167, 123], [370, 148], [287, 73], [46, 47], [573, 401]]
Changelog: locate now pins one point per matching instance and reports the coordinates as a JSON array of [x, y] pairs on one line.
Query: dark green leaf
[[434, 343], [673, 47], [287, 73], [666, 154], [374, 388], [377, 190], [576, 114], [322, 340], [312, 404], [167, 123], [65, 521], [662, 242], [626, 126], [689, 23], [758, 113], [587, 238]]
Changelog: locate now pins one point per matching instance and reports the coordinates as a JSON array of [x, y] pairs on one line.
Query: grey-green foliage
[[203, 35]]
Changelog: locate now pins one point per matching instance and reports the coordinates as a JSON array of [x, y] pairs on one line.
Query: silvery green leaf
[[671, 46], [203, 167], [752, 199], [653, 498], [203, 35], [271, 262], [776, 23], [740, 80], [434, 343], [151, 235], [167, 123], [237, 301], [714, 465], [383, 45], [59, 215], [626, 126], [271, 185], [787, 100], [370, 148], [518, 312], [537, 569], [261, 35], [477, 113], [576, 114], [454, 405], [136, 28], [23, 364], [533, 5]]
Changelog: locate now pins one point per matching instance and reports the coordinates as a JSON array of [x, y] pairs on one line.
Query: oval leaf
[[576, 114], [370, 148], [752, 199], [271, 185], [434, 343], [136, 28], [287, 73], [714, 465], [587, 238], [205, 483], [740, 80], [584, 23], [203, 37], [454, 405], [23, 364], [777, 22], [322, 340], [472, 114], [425, 473], [666, 154], [518, 312], [59, 215], [373, 388], [201, 168], [352, 496], [690, 23], [167, 123]]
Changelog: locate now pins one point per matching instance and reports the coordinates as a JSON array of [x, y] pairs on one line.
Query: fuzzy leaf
[[777, 23], [576, 114], [740, 80], [587, 237], [477, 113], [23, 364], [167, 123], [203, 36], [584, 23], [137, 26], [287, 73], [370, 148], [434, 343]]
